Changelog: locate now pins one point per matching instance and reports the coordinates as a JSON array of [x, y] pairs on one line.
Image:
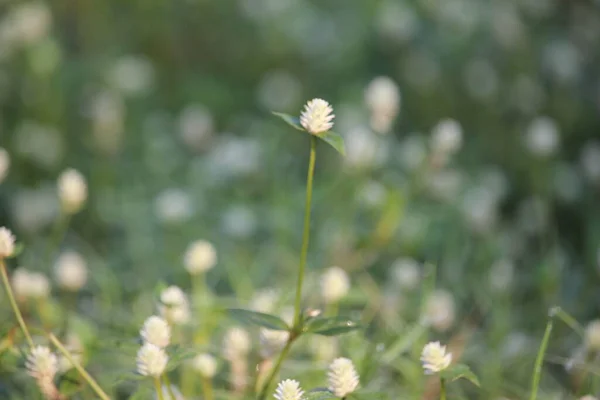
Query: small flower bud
[[435, 358], [151, 360], [592, 335], [335, 284], [288, 390], [317, 116], [236, 343], [156, 331], [72, 191], [41, 363], [70, 271], [7, 243], [342, 376], [205, 365], [175, 307], [199, 257]]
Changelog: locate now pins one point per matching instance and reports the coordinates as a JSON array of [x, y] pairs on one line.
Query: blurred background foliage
[[164, 106]]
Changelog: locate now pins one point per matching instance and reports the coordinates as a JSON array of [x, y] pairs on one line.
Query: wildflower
[[592, 335], [175, 307], [405, 271], [383, 100], [156, 331], [288, 389], [272, 341], [440, 310], [446, 137], [71, 271], [205, 365], [264, 300], [335, 284], [543, 137], [4, 164], [317, 116], [236, 343], [199, 257], [173, 206], [435, 358], [151, 360], [7, 243], [195, 126], [588, 397], [72, 191], [342, 376], [41, 363]]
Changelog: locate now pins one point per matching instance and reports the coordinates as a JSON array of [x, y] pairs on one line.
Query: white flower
[[156, 331], [435, 358], [151, 360], [592, 335], [7, 243], [383, 100], [173, 206], [132, 75], [205, 365], [175, 307], [29, 285], [236, 343], [41, 363], [70, 271], [406, 272], [4, 164], [543, 137], [200, 256], [272, 341], [342, 377], [195, 126], [31, 21], [288, 389], [264, 300], [446, 137], [317, 116], [440, 310], [72, 191], [335, 284], [588, 397]]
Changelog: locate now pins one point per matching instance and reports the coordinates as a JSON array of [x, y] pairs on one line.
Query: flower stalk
[[13, 303]]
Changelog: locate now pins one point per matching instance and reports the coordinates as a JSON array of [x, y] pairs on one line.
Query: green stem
[[207, 389], [93, 384], [157, 386], [442, 389], [537, 372], [274, 371], [13, 303], [306, 231], [169, 387]]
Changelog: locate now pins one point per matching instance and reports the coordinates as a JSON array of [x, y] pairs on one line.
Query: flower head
[[156, 331], [334, 284], [435, 358], [200, 257], [151, 360], [7, 243], [592, 335], [71, 271], [288, 389], [236, 343], [317, 116], [72, 191], [41, 363], [175, 307], [205, 365], [342, 376]]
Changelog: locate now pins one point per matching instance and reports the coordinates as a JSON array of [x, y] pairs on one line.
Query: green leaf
[[319, 394], [256, 318], [330, 326], [292, 121], [459, 371], [334, 140]]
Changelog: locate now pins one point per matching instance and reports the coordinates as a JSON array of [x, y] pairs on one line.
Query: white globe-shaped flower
[[335, 284], [29, 285], [71, 271], [592, 335], [7, 243], [342, 376], [151, 360], [175, 307], [199, 257], [41, 363], [383, 100], [543, 137], [406, 273], [72, 191], [434, 358], [440, 310], [156, 331], [236, 343], [288, 389], [446, 137], [317, 116], [205, 365]]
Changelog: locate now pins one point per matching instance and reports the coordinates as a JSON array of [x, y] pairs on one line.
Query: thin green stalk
[[207, 389], [306, 231], [158, 387], [169, 387], [13, 303], [442, 389], [93, 384], [537, 372], [274, 371]]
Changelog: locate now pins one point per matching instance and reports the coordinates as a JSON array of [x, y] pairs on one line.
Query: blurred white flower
[[588, 397], [233, 156], [363, 148], [590, 160], [563, 60], [4, 164], [41, 363], [372, 194], [30, 21], [479, 208], [506, 24], [174, 306], [335, 284], [396, 21], [72, 191], [446, 138], [445, 184], [196, 126], [435, 358], [592, 335], [543, 137], [70, 271], [279, 90], [324, 348], [156, 331], [264, 300], [236, 343], [107, 112], [272, 342], [205, 364], [29, 285], [151, 360], [132, 75], [406, 273], [382, 97], [7, 242], [173, 206], [199, 257], [288, 390], [440, 310], [501, 275], [317, 116], [342, 377]]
